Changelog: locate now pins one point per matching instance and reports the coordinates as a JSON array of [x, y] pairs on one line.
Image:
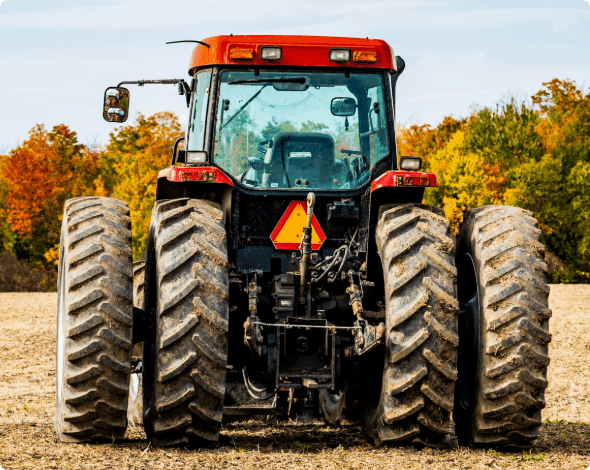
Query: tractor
[[292, 269]]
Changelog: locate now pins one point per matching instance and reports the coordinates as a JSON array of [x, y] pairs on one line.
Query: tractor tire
[[138, 283], [504, 328], [135, 409], [409, 395], [184, 398], [345, 406], [94, 320]]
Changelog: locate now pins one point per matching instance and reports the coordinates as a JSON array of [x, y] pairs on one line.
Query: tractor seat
[[307, 156]]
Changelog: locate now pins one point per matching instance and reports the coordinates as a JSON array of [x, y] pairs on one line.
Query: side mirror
[[343, 106], [116, 104], [256, 163]]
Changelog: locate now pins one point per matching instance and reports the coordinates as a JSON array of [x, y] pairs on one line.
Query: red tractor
[[292, 268]]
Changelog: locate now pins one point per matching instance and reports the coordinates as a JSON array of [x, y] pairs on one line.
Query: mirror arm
[[168, 81], [180, 139]]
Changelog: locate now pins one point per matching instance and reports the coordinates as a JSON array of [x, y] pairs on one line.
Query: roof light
[[340, 55], [241, 54], [364, 56], [410, 163], [271, 53]]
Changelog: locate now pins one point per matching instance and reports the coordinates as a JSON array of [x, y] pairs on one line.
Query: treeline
[[535, 156], [532, 155], [50, 167]]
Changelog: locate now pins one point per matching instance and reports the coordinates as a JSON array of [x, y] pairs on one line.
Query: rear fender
[[207, 183], [392, 187]]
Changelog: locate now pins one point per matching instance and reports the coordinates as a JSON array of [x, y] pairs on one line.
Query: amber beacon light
[[241, 54]]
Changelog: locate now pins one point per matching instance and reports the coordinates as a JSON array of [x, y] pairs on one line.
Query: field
[[27, 439]]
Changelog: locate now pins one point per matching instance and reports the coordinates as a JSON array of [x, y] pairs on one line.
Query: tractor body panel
[[296, 51]]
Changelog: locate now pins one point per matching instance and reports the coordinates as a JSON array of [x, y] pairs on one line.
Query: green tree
[[565, 130], [506, 135]]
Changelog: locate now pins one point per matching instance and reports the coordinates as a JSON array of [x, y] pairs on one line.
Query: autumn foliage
[[533, 155]]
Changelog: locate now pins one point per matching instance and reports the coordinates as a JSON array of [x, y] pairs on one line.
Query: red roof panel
[[296, 51]]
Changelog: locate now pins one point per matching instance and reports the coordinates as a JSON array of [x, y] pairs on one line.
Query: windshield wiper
[[243, 106], [269, 80], [266, 83]]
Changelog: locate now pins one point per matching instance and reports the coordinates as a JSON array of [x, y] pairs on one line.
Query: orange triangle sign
[[288, 233]]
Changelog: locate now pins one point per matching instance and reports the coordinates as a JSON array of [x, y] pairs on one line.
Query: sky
[[58, 56]]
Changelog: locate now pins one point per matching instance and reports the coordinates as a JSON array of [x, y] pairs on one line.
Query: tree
[[3, 206], [565, 132], [40, 175], [466, 180], [506, 135], [424, 141], [135, 154]]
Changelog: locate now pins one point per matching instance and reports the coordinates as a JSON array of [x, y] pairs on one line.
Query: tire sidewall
[[60, 333], [467, 246], [149, 363]]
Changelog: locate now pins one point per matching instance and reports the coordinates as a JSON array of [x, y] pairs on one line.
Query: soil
[[27, 438]]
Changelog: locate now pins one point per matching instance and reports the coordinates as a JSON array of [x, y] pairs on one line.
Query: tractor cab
[[325, 129]]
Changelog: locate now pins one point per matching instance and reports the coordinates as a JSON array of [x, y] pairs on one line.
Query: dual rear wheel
[[184, 365], [486, 363], [466, 332]]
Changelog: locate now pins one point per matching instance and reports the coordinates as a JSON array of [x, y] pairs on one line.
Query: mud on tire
[[503, 294], [189, 255], [410, 396], [94, 320]]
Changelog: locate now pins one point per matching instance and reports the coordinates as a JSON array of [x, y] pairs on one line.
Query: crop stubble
[[27, 438]]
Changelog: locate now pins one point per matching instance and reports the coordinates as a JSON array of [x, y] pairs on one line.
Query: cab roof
[[296, 51]]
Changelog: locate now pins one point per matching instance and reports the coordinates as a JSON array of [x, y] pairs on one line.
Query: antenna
[[190, 40]]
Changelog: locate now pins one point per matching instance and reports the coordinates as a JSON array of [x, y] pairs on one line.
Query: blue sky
[[58, 56]]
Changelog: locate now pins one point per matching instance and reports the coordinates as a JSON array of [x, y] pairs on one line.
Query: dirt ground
[[27, 439]]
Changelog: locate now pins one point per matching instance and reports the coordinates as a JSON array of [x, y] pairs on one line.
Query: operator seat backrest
[[307, 155]]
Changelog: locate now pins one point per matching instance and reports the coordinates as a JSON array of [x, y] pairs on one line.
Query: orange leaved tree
[[38, 176]]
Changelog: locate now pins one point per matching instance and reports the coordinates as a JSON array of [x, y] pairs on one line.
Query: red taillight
[[404, 179]]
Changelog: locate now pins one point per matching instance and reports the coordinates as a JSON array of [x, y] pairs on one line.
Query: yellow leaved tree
[[465, 180], [131, 161]]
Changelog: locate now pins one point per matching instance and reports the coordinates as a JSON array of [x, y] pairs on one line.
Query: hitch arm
[[306, 248]]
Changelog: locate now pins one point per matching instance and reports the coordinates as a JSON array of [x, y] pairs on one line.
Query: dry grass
[[27, 439], [18, 276]]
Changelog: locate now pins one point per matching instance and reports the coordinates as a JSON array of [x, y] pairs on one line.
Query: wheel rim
[[468, 351]]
